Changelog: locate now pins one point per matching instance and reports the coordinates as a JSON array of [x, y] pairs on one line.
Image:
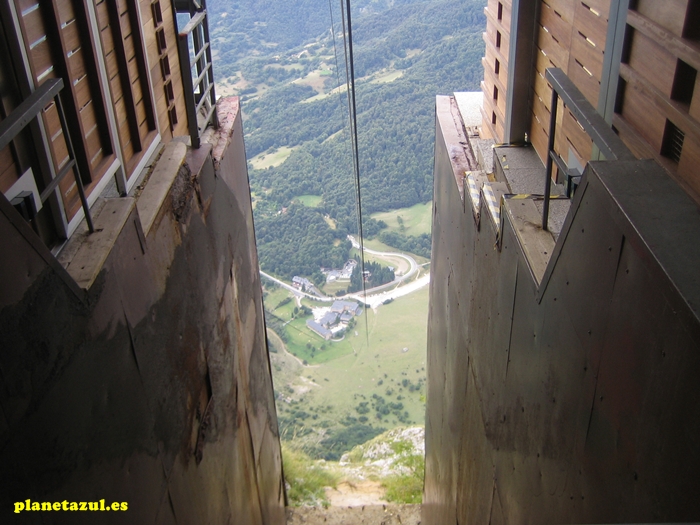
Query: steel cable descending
[[352, 111]]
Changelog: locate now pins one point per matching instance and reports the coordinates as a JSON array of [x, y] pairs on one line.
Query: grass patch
[[406, 487], [310, 347], [332, 225], [335, 286], [271, 159], [389, 76], [349, 373], [310, 201], [415, 220], [307, 478]]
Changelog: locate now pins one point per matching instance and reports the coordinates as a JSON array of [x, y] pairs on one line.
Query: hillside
[[288, 67], [291, 78]]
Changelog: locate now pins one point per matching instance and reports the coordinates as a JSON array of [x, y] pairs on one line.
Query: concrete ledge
[[158, 186], [448, 120], [95, 248], [537, 245]]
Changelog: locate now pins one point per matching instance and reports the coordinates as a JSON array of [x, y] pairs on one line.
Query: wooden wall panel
[[490, 59], [492, 10], [652, 62], [694, 109], [641, 114], [669, 14], [164, 105], [587, 55], [600, 7], [587, 83], [593, 26], [127, 71], [562, 8], [555, 25], [538, 136], [8, 170], [577, 137]]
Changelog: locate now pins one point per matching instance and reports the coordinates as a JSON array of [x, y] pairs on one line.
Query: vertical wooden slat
[[115, 21]]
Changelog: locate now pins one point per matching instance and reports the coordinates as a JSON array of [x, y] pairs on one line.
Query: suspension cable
[[352, 107]]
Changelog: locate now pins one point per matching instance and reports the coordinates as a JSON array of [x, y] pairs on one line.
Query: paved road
[[377, 295], [376, 299], [411, 261], [295, 290]]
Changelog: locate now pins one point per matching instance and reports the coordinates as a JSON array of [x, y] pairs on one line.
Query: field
[[275, 158], [352, 382], [332, 287], [310, 201], [416, 220], [389, 76]]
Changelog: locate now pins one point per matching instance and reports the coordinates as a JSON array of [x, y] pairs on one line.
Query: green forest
[[376, 276], [286, 63]]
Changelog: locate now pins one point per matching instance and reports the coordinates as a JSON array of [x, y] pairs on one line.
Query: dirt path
[[362, 515], [349, 494]]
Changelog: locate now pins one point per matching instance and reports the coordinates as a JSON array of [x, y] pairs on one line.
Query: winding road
[[372, 296]]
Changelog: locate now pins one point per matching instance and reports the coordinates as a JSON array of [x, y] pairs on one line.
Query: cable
[[352, 105], [335, 48]]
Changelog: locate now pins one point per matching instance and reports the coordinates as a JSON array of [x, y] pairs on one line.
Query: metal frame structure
[[608, 143], [29, 110], [199, 93]]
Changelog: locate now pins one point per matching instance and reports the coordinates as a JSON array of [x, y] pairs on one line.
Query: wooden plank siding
[[571, 36], [165, 66], [494, 86], [660, 88], [58, 41], [128, 79]]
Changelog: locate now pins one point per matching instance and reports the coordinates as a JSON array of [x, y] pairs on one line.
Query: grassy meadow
[[372, 379], [416, 220]]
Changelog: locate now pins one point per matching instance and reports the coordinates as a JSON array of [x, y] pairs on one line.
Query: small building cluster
[[336, 319], [302, 283], [343, 274]]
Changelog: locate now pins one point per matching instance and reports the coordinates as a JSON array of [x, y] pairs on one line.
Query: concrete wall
[[153, 386], [573, 400]]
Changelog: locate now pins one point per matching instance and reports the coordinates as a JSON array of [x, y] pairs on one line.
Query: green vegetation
[[337, 393], [307, 478], [354, 434], [297, 241], [420, 245], [271, 158], [395, 359], [378, 275], [398, 449], [406, 488], [415, 220], [310, 201], [406, 52]]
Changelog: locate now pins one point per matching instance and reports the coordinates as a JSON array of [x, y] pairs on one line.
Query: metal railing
[[603, 136], [23, 115], [199, 87]]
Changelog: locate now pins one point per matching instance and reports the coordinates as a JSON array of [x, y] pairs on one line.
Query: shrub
[[305, 478], [406, 488]]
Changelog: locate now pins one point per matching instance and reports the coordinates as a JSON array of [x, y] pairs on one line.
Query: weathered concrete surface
[[574, 401], [153, 387]]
